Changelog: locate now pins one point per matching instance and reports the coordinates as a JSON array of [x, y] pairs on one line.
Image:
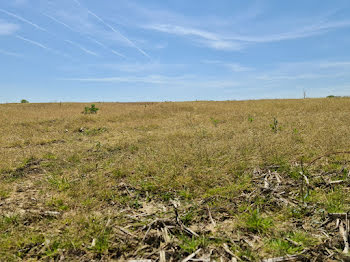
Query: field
[[234, 180]]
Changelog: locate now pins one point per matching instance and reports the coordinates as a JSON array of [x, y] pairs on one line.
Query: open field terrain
[[240, 180]]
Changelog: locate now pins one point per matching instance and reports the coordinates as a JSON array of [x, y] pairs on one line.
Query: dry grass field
[[224, 181]]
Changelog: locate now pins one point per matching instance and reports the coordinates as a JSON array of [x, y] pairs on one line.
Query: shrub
[[23, 101], [274, 125], [91, 110]]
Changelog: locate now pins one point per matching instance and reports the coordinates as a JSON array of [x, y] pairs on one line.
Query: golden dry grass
[[136, 158]]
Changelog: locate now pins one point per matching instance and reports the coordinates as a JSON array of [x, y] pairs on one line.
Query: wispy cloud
[[265, 82], [33, 42], [278, 74], [59, 22], [180, 30], [8, 28], [150, 79], [299, 76], [133, 67], [124, 37], [82, 48], [90, 38], [307, 70], [234, 67], [304, 32], [78, 3], [42, 46], [115, 31], [210, 39], [8, 53], [105, 47], [231, 41], [181, 81], [334, 64], [23, 20]]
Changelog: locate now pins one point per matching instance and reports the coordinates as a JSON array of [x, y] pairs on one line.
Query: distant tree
[[23, 101]]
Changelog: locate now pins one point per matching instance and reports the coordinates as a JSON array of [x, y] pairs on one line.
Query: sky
[[167, 50]]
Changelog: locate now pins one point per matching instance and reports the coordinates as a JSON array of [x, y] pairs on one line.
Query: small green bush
[[274, 125], [23, 101], [90, 110]]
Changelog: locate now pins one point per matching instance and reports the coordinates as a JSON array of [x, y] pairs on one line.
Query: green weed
[[256, 223], [190, 245]]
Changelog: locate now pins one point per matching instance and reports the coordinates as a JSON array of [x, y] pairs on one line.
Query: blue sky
[[167, 50]]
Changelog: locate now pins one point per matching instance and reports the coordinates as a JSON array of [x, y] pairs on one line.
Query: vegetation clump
[[91, 110]]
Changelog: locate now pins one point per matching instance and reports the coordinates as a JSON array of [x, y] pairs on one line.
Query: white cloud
[[226, 39], [303, 32], [182, 81], [9, 53], [139, 67], [223, 45], [237, 67], [234, 67], [180, 30], [207, 38], [150, 79], [8, 28], [22, 19]]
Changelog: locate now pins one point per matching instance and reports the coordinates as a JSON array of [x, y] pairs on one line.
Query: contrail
[[59, 22], [43, 29], [117, 53], [114, 30], [42, 46], [77, 2], [37, 27], [105, 47], [33, 42], [23, 20], [82, 48], [90, 38]]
